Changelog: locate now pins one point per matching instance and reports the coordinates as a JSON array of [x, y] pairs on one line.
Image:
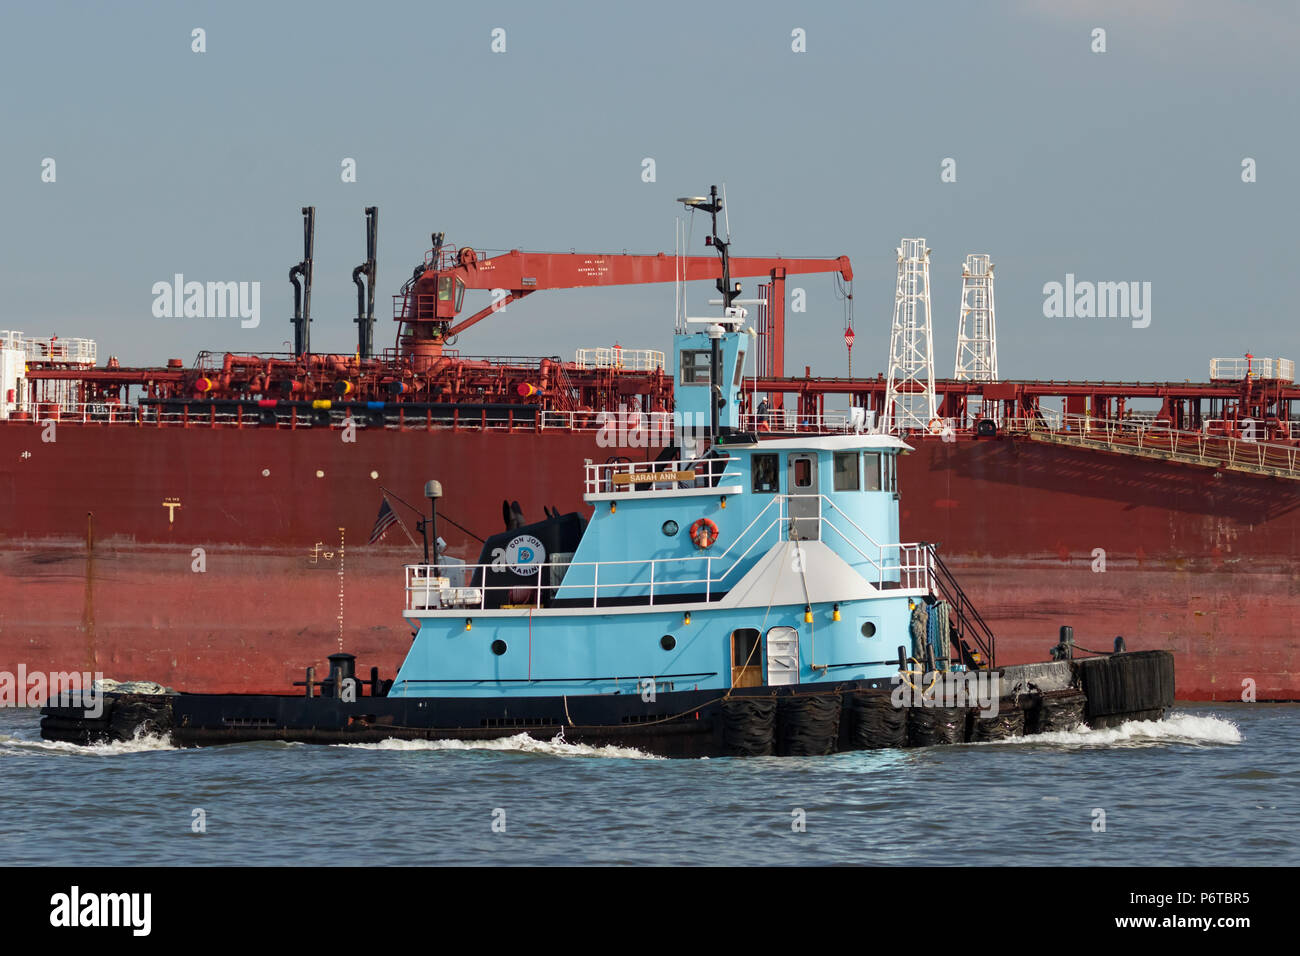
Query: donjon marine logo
[[524, 555]]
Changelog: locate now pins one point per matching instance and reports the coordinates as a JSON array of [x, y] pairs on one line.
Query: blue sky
[[1115, 166]]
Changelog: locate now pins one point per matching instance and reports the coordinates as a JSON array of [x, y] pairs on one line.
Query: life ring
[[936, 426], [704, 532]]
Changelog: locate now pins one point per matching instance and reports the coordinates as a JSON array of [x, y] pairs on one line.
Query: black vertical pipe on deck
[[302, 296], [366, 304]]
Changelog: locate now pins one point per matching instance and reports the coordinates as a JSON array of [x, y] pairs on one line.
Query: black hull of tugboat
[[796, 720]]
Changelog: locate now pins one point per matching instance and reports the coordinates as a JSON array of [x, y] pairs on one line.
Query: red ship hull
[[98, 572], [1185, 558], [98, 532]]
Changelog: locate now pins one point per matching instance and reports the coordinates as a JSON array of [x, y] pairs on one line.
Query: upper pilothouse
[[695, 387]]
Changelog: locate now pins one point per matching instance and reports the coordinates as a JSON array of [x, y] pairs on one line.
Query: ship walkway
[[1191, 448]]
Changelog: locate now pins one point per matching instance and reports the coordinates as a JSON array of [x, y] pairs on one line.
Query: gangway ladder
[[973, 634]]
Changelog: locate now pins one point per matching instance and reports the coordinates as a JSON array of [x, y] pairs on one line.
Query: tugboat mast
[[729, 294]]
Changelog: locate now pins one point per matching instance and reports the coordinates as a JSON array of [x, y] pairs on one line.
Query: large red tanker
[[210, 530]]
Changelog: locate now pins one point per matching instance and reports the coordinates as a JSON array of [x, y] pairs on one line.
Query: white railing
[[1234, 369], [664, 580], [1206, 447], [250, 417], [73, 351], [1136, 426], [655, 428], [632, 476], [630, 360], [77, 412], [790, 420], [912, 559]]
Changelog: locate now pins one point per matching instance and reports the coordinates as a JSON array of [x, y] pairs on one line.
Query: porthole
[[868, 629], [668, 642], [670, 528], [498, 647]]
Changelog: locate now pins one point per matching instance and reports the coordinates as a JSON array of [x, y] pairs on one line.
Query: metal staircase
[[974, 636]]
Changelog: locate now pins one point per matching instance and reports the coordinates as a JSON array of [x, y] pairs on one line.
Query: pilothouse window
[[871, 467], [763, 468], [695, 366], [846, 471]]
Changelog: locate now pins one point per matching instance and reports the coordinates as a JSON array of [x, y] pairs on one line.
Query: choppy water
[[1210, 785]]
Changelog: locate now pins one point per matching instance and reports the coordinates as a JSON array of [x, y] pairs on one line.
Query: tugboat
[[739, 595]]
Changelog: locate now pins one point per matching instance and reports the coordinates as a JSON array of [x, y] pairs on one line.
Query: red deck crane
[[433, 298]]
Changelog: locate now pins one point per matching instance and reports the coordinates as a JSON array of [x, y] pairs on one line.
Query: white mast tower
[[909, 393], [977, 333]]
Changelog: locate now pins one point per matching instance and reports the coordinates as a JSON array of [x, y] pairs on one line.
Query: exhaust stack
[[366, 303], [302, 293]]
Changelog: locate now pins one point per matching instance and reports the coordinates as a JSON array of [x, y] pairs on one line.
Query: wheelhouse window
[[871, 469], [846, 471], [763, 473], [740, 369], [695, 366], [890, 463]]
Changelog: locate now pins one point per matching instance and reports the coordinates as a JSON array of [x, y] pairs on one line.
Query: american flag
[[387, 518]]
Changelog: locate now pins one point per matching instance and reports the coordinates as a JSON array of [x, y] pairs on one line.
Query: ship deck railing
[[1236, 369], [631, 478], [629, 428], [652, 582], [295, 415], [620, 359], [791, 420], [1156, 439]]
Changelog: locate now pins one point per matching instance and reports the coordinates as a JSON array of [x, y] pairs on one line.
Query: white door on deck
[[782, 656]]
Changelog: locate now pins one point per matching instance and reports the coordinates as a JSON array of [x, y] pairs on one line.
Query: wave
[[519, 743], [24, 746], [1176, 729]]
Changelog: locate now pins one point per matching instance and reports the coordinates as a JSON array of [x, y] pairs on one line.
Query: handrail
[[599, 478], [970, 623], [911, 563], [1214, 450], [617, 357]]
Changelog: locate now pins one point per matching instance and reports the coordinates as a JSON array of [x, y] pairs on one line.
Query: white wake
[[519, 743], [1176, 729], [141, 743]]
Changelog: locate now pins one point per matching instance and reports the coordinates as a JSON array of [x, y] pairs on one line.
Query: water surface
[[1212, 784]]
